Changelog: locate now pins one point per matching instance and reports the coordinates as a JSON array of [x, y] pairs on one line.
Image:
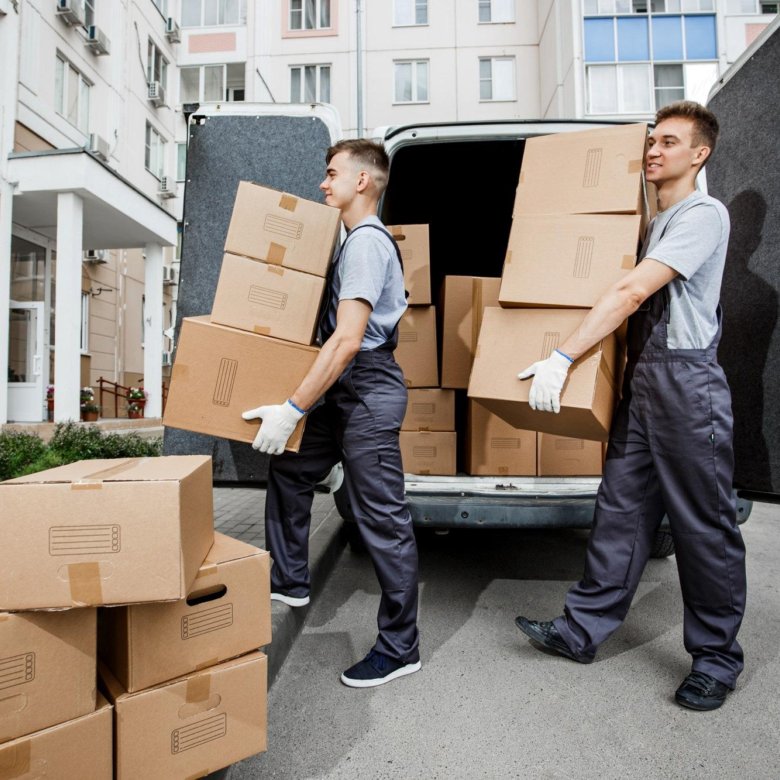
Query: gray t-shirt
[[691, 237], [369, 270]]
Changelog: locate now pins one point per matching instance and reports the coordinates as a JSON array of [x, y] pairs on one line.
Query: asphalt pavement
[[487, 704]]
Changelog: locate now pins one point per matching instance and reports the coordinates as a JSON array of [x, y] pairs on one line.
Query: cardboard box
[[79, 748], [495, 448], [429, 452], [567, 260], [584, 172], [430, 409], [416, 351], [226, 614], [465, 298], [414, 244], [221, 372], [48, 669], [193, 725], [268, 299], [560, 456], [100, 532], [513, 339], [282, 229]]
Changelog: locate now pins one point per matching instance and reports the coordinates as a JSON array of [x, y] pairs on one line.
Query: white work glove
[[549, 376], [279, 421]]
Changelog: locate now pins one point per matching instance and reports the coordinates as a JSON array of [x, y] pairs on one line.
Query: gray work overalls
[[357, 424], [670, 450]]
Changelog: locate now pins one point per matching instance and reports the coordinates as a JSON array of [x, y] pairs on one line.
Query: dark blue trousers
[[357, 424]]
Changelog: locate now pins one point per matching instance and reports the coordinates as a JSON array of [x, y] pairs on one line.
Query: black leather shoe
[[546, 634], [700, 691]]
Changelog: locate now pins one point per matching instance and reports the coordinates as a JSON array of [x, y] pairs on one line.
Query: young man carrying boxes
[[360, 397]]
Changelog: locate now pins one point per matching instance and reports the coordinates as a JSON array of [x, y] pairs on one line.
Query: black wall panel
[[744, 174]]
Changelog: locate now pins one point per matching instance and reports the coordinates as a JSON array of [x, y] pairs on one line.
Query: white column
[[67, 329], [153, 330], [6, 200]]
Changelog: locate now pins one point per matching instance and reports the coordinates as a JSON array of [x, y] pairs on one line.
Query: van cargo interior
[[465, 191]]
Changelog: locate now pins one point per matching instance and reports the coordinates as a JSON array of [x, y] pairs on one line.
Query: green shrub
[[48, 460], [17, 451]]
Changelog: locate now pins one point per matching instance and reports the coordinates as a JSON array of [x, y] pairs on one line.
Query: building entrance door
[[25, 361]]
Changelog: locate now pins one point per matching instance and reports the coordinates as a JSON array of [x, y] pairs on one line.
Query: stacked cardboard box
[[266, 307], [126, 532], [496, 448], [578, 217], [428, 438]]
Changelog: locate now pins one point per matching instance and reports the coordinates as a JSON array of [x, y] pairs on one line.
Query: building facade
[[95, 95]]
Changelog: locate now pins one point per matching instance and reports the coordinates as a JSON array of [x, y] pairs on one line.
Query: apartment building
[[95, 96]]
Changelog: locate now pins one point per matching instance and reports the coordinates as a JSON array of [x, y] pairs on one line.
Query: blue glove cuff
[[297, 408], [563, 354]]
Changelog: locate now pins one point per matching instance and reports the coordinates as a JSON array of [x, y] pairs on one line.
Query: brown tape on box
[[275, 253], [198, 688], [206, 664], [635, 166], [207, 568], [476, 311], [508, 258], [288, 202], [15, 760], [276, 269], [85, 586], [262, 330], [95, 479], [629, 261], [397, 232]]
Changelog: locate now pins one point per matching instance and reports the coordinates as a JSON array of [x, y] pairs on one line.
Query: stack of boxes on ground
[[256, 345], [177, 667], [579, 212]]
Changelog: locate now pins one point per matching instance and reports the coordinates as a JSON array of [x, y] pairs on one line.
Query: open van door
[[744, 174], [281, 146]]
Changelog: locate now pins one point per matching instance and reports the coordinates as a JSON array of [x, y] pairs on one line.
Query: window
[[212, 13], [84, 322], [411, 81], [211, 83], [410, 12], [620, 89], [496, 11], [310, 84], [162, 6], [89, 12], [154, 158], [181, 162], [497, 78], [669, 84], [156, 65], [309, 14], [71, 94]]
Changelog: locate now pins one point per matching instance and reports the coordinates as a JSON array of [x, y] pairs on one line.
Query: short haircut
[[705, 125], [368, 154]]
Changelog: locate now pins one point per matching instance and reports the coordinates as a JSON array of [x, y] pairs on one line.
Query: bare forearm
[[333, 358]]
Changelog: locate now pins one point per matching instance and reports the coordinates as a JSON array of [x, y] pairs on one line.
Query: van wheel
[[663, 544]]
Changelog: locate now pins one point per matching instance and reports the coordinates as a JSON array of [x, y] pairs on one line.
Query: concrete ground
[[487, 704]]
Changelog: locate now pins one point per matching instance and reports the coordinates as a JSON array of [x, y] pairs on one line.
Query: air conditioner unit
[[167, 187], [167, 359], [97, 41], [95, 256], [156, 94], [169, 274], [71, 12], [172, 30], [98, 146]]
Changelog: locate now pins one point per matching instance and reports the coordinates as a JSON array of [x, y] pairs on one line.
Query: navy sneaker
[[291, 601], [701, 691], [546, 634], [377, 669]]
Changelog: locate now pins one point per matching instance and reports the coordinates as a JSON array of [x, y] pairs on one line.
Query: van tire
[[663, 544]]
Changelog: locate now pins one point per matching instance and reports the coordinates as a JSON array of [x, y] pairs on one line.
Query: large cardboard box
[[221, 372], [430, 409], [416, 350], [413, 242], [101, 532], [512, 339], [567, 260], [282, 229], [584, 172], [267, 299], [560, 456], [465, 298], [79, 748], [429, 452], [194, 725], [226, 614], [495, 448], [48, 669]]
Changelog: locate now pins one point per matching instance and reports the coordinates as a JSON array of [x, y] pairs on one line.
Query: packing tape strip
[[198, 688], [86, 589], [4, 616], [275, 253], [15, 760], [629, 261], [476, 311], [207, 568], [288, 202], [261, 330], [508, 258], [276, 269], [93, 480], [635, 166], [397, 232], [206, 664]]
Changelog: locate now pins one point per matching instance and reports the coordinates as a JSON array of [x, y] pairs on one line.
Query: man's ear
[[363, 182], [702, 155]]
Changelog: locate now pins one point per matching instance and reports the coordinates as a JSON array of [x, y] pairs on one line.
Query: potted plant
[[137, 398], [135, 410], [50, 402], [89, 409]]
